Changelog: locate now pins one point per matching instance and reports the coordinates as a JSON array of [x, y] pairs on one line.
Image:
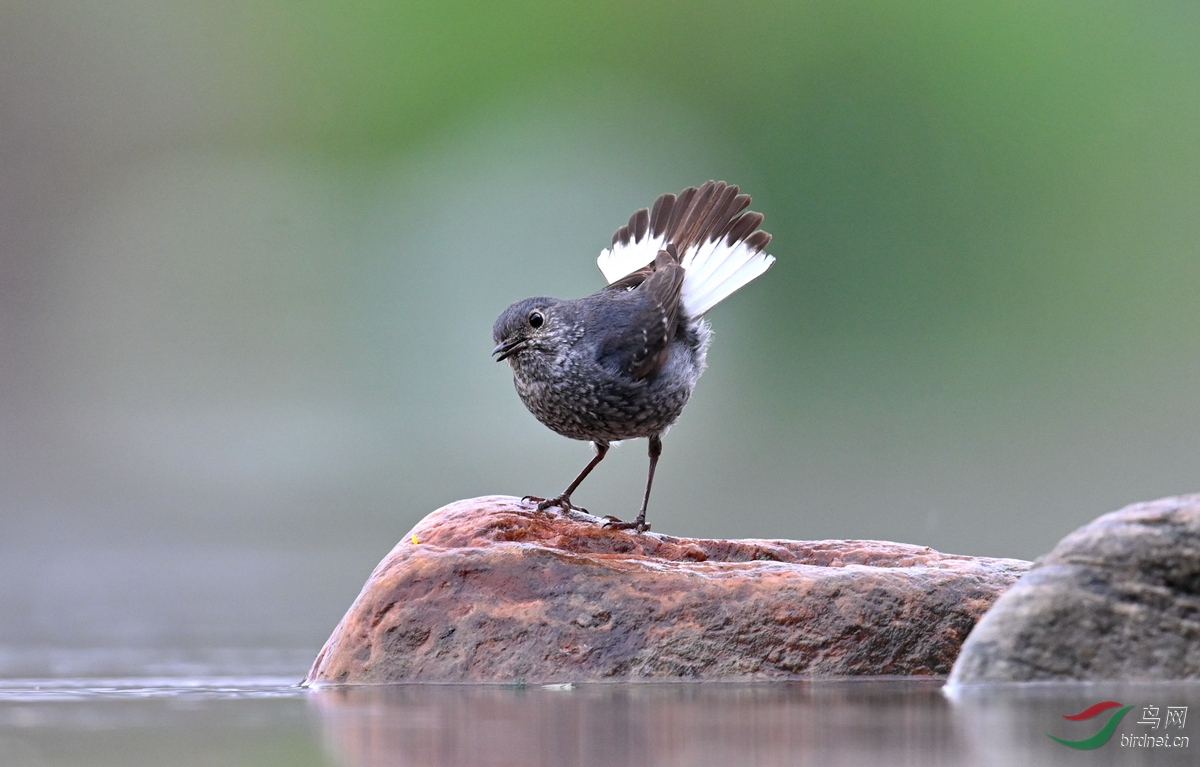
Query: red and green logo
[[1101, 737]]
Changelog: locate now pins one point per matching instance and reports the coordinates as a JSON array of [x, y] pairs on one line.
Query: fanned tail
[[719, 246]]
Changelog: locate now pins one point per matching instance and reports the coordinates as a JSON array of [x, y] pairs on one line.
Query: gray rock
[[1119, 598]]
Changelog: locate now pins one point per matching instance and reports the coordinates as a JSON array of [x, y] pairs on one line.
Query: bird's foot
[[638, 524], [563, 502]]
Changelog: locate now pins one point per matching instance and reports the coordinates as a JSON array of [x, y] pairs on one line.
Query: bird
[[622, 363]]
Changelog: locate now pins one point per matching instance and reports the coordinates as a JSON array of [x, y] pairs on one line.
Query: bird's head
[[525, 326]]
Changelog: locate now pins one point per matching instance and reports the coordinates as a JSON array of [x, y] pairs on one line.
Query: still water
[[194, 718]]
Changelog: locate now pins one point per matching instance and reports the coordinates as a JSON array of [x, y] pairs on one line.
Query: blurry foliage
[[937, 170], [985, 218]]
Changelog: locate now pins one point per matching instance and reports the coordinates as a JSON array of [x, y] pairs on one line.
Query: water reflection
[[848, 723], [1008, 724], [268, 720], [893, 722]]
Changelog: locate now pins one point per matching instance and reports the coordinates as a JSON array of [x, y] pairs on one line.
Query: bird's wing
[[644, 326]]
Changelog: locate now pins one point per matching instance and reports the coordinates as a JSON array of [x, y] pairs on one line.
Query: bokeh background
[[250, 255]]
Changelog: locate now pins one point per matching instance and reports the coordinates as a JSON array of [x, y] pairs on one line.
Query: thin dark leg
[[639, 524], [563, 501], [601, 451]]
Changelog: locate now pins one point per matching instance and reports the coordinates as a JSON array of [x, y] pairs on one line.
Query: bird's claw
[[638, 525], [563, 502]]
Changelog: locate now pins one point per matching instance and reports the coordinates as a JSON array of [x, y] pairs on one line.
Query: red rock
[[495, 591]]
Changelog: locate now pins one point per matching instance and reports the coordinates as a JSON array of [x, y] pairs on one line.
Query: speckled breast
[[589, 402]]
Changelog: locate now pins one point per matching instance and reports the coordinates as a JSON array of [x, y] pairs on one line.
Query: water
[[267, 719], [193, 655]]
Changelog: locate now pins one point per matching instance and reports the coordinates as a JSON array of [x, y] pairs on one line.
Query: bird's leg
[[563, 501], [639, 524]]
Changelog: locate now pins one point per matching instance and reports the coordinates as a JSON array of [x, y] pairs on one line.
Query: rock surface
[[495, 591], [1119, 598]]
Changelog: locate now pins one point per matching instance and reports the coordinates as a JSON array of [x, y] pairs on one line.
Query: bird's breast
[[582, 399]]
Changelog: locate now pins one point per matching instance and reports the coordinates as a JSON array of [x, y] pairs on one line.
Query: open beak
[[509, 348]]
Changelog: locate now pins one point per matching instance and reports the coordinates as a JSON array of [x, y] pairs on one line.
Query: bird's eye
[[536, 319]]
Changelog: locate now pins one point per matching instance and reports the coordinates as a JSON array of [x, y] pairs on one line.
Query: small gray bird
[[622, 362]]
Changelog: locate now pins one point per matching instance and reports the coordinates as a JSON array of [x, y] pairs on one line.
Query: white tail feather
[[700, 223], [622, 260], [713, 270], [724, 271]]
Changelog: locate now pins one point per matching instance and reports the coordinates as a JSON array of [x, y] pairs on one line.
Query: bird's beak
[[507, 349]]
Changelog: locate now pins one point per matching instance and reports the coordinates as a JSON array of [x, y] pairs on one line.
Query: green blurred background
[[250, 255]]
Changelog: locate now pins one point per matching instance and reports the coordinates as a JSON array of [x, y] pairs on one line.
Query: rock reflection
[[1007, 724], [852, 723]]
